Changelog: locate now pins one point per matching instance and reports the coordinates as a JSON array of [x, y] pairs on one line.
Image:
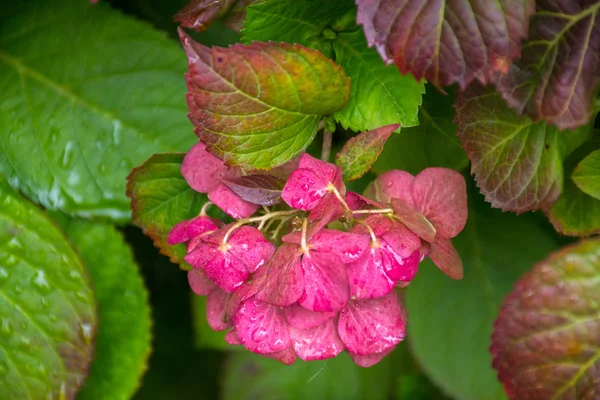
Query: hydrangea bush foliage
[[306, 165]]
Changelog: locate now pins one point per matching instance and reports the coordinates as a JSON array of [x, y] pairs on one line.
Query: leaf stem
[[326, 149], [205, 207], [260, 218]]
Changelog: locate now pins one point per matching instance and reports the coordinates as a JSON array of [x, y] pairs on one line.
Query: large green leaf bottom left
[[87, 94]]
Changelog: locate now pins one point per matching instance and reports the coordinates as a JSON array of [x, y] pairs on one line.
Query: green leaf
[[204, 336], [250, 376], [575, 213], [47, 311], [431, 144], [161, 198], [88, 94], [381, 95], [550, 324], [451, 321], [587, 175], [123, 338], [361, 151], [259, 105], [518, 163]]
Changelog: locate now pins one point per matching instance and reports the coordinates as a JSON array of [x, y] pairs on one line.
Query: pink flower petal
[[232, 338], [372, 326], [226, 270], [328, 209], [287, 356], [281, 281], [317, 343], [325, 170], [444, 255], [304, 189], [401, 240], [398, 268], [231, 203], [250, 246], [357, 202], [325, 282], [261, 327], [201, 170], [441, 195], [200, 283], [367, 275], [413, 220], [216, 305], [302, 318], [201, 252], [394, 184], [379, 223], [370, 359], [346, 245], [186, 230]]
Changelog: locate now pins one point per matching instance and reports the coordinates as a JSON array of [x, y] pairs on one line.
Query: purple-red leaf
[[518, 163], [198, 14], [546, 341], [557, 75], [414, 220], [361, 151], [447, 41], [259, 105], [257, 189]]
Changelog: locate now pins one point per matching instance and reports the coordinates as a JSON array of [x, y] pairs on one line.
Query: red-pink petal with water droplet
[[287, 356], [327, 209], [251, 247], [304, 189], [367, 275], [325, 282], [441, 195], [372, 325], [226, 270], [281, 281], [232, 338], [200, 252], [216, 303], [370, 359], [402, 240], [357, 202], [302, 318], [186, 230], [261, 327], [201, 170], [379, 223], [326, 171], [200, 283], [400, 268], [231, 203], [394, 184], [347, 246], [318, 343]]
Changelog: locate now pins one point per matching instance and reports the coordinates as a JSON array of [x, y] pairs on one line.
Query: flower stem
[[337, 194], [326, 149], [378, 211], [371, 232], [205, 207], [260, 218], [303, 245]]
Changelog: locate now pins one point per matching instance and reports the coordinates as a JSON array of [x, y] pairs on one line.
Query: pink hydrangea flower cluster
[[331, 284]]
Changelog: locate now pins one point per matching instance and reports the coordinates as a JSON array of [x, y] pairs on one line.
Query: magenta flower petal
[[367, 275], [261, 327], [325, 282], [370, 359], [226, 270], [281, 281], [200, 283], [400, 268], [317, 343], [379, 223], [304, 189], [401, 240], [201, 252], [357, 202], [327, 209], [441, 195], [325, 170], [232, 338], [372, 326], [302, 318], [231, 203], [287, 356], [216, 305], [250, 246], [187, 230], [346, 245], [394, 184], [201, 170]]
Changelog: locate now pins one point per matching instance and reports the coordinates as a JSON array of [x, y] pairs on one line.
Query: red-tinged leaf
[[587, 175], [546, 341], [414, 220], [447, 41], [237, 14], [446, 258], [440, 194], [259, 105], [361, 151], [198, 14], [257, 189], [557, 75], [518, 163]]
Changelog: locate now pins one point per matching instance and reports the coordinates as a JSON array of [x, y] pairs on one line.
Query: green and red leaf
[[447, 42], [557, 76], [259, 105], [198, 14], [546, 341], [361, 151], [587, 175]]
